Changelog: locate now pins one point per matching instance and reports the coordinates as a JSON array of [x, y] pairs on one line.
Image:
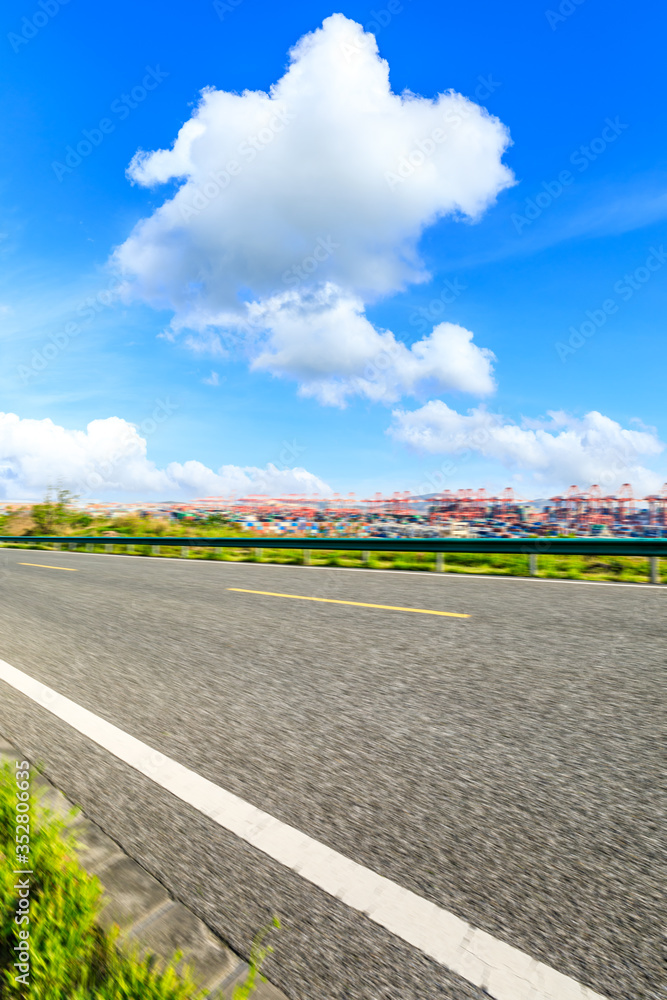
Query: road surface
[[503, 765]]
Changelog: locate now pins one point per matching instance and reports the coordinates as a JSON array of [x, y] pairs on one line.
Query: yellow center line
[[65, 569], [356, 604]]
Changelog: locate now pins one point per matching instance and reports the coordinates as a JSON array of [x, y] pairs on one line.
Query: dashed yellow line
[[65, 569], [356, 604]]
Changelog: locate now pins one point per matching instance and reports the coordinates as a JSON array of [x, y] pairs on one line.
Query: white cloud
[[327, 181], [558, 451], [212, 379], [109, 458], [327, 343]]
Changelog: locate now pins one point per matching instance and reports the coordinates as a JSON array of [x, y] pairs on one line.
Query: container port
[[465, 513]]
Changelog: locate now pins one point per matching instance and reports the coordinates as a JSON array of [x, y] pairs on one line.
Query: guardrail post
[[655, 569], [191, 547]]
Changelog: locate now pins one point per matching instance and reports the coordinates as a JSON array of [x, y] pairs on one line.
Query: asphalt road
[[506, 766]]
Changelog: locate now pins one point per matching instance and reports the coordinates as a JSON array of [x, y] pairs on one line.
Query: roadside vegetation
[[56, 516], [72, 958]]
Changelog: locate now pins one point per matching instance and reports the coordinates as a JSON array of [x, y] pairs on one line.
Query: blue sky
[[568, 172]]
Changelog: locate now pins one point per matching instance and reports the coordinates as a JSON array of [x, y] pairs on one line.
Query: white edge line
[[420, 574], [503, 971]]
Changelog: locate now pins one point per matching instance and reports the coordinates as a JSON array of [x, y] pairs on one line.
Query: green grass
[[620, 568], [623, 569], [72, 958], [627, 569]]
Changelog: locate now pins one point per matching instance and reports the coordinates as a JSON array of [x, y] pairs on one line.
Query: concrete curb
[[149, 918]]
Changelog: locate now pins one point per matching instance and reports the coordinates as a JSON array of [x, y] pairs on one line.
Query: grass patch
[[630, 569], [72, 958], [623, 569]]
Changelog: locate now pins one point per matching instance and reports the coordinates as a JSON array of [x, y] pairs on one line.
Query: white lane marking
[[421, 575], [503, 971]]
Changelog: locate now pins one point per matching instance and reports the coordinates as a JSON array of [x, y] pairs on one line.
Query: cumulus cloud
[[558, 451], [109, 458], [327, 343], [325, 182]]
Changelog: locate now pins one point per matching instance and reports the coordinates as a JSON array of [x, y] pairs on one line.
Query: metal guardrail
[[650, 548], [647, 547]]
